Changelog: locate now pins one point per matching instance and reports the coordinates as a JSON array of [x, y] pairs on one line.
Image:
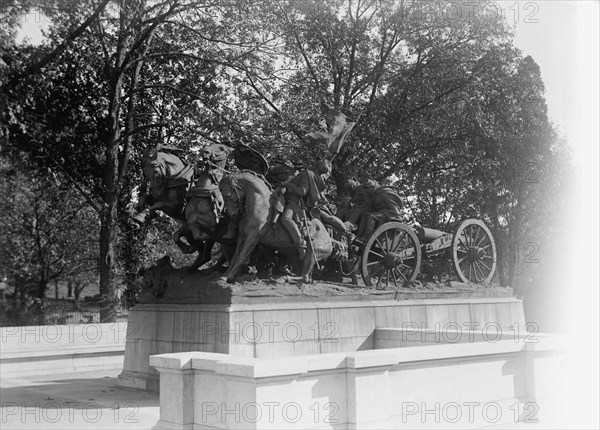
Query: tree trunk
[[500, 248], [70, 288], [515, 238], [501, 263], [77, 291], [108, 217], [107, 265], [42, 286]]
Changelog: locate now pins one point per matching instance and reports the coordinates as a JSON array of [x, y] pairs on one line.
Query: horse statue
[[205, 214], [250, 202], [176, 191], [170, 177]]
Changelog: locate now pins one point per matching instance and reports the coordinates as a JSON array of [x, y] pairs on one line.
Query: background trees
[[48, 232], [446, 108]]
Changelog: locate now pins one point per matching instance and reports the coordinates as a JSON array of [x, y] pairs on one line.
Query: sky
[[564, 43], [563, 38]]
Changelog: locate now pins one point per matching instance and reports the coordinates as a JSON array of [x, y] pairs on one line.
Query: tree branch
[[34, 68]]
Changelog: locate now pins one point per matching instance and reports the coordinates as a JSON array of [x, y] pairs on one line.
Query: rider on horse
[[306, 192]]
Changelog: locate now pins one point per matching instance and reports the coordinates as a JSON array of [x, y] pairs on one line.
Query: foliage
[[48, 233], [447, 109]]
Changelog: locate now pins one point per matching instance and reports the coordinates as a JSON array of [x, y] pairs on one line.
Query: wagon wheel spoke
[[464, 265], [374, 262], [380, 246], [477, 271], [374, 274], [394, 276], [465, 237], [405, 266], [474, 252], [401, 274], [485, 270], [388, 243], [379, 279], [396, 248], [482, 240], [396, 240], [486, 266], [474, 242]]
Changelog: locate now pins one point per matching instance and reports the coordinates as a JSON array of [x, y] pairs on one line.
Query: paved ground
[[83, 400], [94, 400]]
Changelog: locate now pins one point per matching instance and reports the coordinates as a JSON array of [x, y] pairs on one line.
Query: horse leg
[[186, 248], [242, 253], [308, 265], [204, 255], [249, 237], [148, 213]]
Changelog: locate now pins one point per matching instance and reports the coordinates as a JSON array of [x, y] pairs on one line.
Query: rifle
[[306, 225]]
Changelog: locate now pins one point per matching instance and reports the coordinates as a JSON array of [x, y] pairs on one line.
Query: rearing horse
[[249, 200], [170, 184], [169, 179]]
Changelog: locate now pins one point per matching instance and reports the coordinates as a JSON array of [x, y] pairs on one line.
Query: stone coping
[[38, 353], [264, 368], [54, 340], [319, 303]]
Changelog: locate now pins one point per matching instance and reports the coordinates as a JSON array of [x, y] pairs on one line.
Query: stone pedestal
[[281, 321]]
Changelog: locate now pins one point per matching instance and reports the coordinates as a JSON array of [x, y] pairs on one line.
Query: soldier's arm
[[299, 185]]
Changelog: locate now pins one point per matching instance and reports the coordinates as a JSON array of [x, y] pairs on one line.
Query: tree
[[81, 117], [48, 233], [446, 107]]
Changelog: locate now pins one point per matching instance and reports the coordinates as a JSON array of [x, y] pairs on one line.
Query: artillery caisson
[[393, 252]]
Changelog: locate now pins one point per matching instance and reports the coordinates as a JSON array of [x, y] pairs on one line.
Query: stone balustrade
[[476, 383]]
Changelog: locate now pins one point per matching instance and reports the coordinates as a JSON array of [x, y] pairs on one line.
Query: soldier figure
[[306, 192], [382, 205]]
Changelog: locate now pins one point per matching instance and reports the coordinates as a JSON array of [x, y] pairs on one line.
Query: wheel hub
[[476, 253], [391, 260]]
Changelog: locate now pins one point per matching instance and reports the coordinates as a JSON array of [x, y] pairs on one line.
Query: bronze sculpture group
[[241, 209], [247, 204]]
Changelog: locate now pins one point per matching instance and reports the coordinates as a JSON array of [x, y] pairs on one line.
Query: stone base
[[468, 385], [48, 349], [302, 324]]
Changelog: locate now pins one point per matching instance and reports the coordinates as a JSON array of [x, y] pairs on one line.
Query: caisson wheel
[[474, 252], [391, 256]]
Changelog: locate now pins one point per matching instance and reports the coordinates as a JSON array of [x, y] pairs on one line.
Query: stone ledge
[[260, 368], [39, 354]]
